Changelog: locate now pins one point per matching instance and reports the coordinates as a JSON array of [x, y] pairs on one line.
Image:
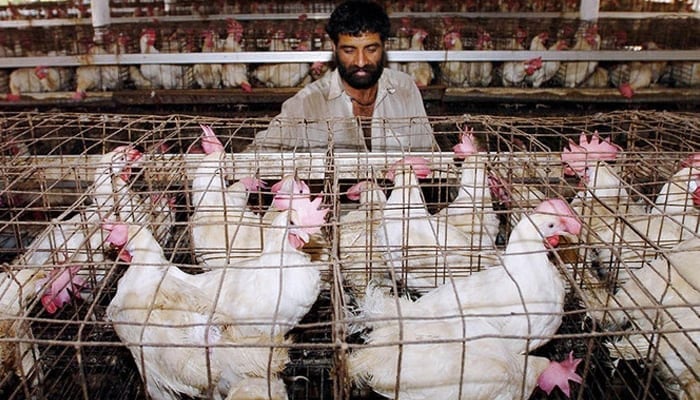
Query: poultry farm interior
[[141, 128]]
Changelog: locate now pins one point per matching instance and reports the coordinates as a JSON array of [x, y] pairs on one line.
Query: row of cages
[[258, 40], [81, 9], [366, 308], [667, 33]]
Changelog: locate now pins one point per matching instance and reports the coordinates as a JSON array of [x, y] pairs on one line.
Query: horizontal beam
[[46, 22], [313, 56]]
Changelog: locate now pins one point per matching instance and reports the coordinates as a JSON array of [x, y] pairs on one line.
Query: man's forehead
[[359, 40]]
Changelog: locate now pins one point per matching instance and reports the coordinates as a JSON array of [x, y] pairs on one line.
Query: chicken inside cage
[[149, 257]]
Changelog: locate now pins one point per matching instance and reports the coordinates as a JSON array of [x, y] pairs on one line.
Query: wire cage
[[625, 304]]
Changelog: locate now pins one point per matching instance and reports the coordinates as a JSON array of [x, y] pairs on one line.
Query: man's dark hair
[[355, 17]]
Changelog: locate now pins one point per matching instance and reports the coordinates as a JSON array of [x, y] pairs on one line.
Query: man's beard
[[361, 82]]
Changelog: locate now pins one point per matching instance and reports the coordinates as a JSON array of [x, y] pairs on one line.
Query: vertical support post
[[169, 6], [100, 18], [589, 10]]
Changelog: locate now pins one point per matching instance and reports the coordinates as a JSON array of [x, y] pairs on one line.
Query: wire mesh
[[628, 306]]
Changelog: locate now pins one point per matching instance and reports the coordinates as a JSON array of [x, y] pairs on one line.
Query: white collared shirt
[[321, 114]]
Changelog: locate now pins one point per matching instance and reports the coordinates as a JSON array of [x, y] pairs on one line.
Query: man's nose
[[360, 59]]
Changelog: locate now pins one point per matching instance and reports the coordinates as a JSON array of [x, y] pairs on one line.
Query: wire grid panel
[[634, 341]]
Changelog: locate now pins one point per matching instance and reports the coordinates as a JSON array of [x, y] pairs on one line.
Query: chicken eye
[[551, 225]]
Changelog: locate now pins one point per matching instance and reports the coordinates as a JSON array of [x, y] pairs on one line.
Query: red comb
[[587, 152], [467, 146], [210, 143]]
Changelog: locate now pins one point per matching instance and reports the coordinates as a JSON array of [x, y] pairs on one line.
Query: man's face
[[360, 59]]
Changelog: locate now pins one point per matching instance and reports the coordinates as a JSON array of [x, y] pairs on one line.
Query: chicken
[[549, 68], [272, 292], [417, 248], [467, 74], [61, 241], [235, 75], [38, 80], [358, 250], [156, 303], [605, 196], [658, 302], [600, 78], [472, 210], [514, 73], [437, 360], [284, 74], [575, 72], [223, 227], [628, 77], [518, 280], [100, 77], [20, 355], [158, 76], [403, 42], [421, 71], [208, 76]]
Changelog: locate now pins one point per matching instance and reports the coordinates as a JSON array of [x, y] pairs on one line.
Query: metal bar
[[323, 56], [26, 23]]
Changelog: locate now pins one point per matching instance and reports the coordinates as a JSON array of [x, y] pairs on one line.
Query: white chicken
[[223, 227], [195, 349], [549, 68], [38, 80], [235, 75], [472, 210], [605, 197], [514, 72], [575, 72], [100, 77], [77, 239], [272, 292], [418, 249], [158, 76], [658, 301], [629, 77], [208, 76], [421, 71], [358, 250], [19, 356], [467, 74], [284, 74], [437, 359], [530, 288]]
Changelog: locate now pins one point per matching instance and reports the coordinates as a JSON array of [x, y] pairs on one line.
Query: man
[[360, 105]]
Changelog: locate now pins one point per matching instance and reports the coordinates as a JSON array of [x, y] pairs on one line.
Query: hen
[[37, 80], [421, 71], [604, 198], [549, 68], [195, 349], [284, 74], [418, 249], [437, 359], [223, 227], [158, 76], [272, 292], [514, 72], [358, 250], [208, 76], [658, 301], [575, 72], [472, 210], [234, 75], [524, 306], [100, 77]]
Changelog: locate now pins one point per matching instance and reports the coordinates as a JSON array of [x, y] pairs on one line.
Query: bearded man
[[360, 105]]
